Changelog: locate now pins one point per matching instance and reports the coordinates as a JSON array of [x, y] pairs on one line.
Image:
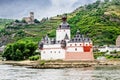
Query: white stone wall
[[110, 49], [52, 52], [60, 34]]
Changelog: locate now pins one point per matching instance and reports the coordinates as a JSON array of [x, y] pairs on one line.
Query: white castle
[[63, 47]]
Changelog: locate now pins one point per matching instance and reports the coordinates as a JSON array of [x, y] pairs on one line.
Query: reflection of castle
[[65, 48], [29, 20]]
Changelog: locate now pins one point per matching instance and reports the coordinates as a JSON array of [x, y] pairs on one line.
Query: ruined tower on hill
[[30, 19]]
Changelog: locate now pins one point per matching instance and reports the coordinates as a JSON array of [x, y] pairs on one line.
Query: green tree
[[17, 21], [20, 50], [36, 21], [106, 1], [116, 2], [23, 20]]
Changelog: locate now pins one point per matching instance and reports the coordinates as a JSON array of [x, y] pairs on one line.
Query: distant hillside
[[100, 21], [3, 22]]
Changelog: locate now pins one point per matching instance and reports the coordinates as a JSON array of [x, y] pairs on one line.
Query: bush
[[20, 50], [42, 62], [33, 58]]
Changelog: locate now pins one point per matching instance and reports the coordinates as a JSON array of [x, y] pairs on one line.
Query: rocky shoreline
[[61, 64]]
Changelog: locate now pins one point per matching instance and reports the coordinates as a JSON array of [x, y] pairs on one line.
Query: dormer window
[[76, 40]]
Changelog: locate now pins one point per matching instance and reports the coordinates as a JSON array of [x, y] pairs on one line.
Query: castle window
[[50, 51], [55, 52], [80, 44], [75, 49], [44, 52], [59, 51], [75, 44]]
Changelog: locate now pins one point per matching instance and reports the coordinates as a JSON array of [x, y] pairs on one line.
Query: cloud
[[82, 2], [21, 8], [42, 8]]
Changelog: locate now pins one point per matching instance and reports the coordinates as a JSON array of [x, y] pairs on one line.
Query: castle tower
[[32, 16], [63, 30]]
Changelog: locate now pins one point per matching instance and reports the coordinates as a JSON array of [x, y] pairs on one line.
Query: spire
[[78, 31], [64, 18], [66, 37], [46, 37], [64, 24]]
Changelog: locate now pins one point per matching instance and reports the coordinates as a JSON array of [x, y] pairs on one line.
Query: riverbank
[[61, 64]]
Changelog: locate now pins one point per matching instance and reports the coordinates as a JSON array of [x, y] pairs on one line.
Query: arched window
[[75, 49], [75, 44]]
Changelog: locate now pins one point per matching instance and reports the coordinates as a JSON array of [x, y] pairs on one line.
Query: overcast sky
[[16, 9]]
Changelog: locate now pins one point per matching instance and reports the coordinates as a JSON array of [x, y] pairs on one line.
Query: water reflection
[[9, 72]]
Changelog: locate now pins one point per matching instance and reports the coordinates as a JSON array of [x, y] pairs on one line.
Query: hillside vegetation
[[100, 21], [3, 22]]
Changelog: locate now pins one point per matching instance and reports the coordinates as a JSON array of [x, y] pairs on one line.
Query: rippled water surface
[[9, 72]]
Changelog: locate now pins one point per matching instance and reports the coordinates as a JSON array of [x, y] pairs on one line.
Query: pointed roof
[[64, 24], [46, 38], [66, 37], [78, 31]]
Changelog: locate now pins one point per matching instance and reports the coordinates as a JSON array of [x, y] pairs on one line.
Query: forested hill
[[100, 21]]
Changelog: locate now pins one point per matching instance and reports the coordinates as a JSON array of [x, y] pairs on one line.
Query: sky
[[17, 9]]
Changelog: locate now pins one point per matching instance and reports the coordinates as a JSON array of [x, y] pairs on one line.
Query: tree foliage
[[93, 22], [20, 50]]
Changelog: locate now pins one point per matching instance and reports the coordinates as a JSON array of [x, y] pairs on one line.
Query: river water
[[9, 72]]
